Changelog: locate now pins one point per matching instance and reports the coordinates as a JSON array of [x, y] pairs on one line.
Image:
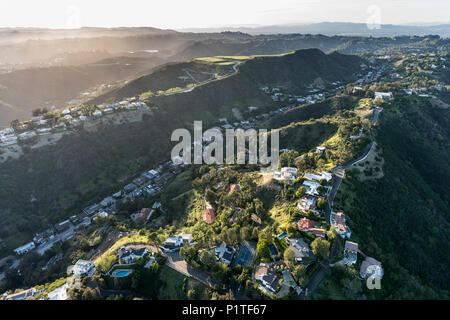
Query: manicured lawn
[[171, 285]]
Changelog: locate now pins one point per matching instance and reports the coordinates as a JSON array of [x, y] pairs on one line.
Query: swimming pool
[[122, 273]]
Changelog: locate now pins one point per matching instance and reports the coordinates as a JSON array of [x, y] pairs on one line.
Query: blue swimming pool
[[122, 273]]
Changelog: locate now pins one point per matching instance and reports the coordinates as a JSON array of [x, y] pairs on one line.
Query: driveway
[[175, 262]]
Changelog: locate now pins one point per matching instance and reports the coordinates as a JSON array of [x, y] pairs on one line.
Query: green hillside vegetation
[[402, 219], [84, 168], [166, 77]]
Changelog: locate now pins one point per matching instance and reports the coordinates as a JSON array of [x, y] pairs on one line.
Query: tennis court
[[246, 254]]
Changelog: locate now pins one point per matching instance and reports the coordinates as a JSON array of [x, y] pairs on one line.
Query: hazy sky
[[213, 13]]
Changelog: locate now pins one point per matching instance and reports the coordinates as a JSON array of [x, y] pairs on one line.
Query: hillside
[[403, 217], [295, 71], [86, 167], [26, 90]]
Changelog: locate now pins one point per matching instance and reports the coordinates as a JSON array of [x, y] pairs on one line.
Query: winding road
[[339, 173], [235, 68]]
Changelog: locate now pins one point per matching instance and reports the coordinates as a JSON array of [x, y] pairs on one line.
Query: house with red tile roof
[[143, 214], [267, 275], [305, 224], [308, 226], [234, 187], [209, 215], [316, 232]]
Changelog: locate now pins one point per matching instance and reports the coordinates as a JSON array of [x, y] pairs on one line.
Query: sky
[[179, 14]]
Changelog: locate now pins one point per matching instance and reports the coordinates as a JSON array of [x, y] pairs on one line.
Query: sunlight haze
[[177, 14]]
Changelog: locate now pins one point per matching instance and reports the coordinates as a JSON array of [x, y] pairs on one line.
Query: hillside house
[[383, 95], [209, 215], [234, 188], [267, 275], [25, 248], [305, 224], [350, 253], [317, 232], [370, 267], [26, 135], [129, 187], [127, 256], [311, 187], [83, 267], [320, 150], [307, 203], [319, 176], [172, 244], [301, 249], [186, 238], [108, 201], [143, 214], [286, 174], [63, 226], [338, 221], [224, 253]]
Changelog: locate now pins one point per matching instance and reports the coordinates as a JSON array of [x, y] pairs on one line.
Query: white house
[[172, 244], [43, 131], [311, 187], [8, 140], [319, 176], [82, 267], [370, 267], [131, 255], [383, 95], [224, 253], [350, 253], [27, 135], [185, 237], [320, 150], [97, 113], [338, 221], [267, 275], [286, 173], [25, 248]]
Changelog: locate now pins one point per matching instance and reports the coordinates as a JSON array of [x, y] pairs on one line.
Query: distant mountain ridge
[[297, 70], [337, 28]]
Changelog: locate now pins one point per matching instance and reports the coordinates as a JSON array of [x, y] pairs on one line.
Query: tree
[[262, 250], [14, 124], [289, 258], [298, 272], [322, 189], [207, 259], [300, 192], [331, 234], [211, 196], [320, 248], [321, 205]]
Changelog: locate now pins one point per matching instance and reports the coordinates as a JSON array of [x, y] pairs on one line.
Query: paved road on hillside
[[175, 262], [339, 173], [235, 68], [376, 113], [318, 276]]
